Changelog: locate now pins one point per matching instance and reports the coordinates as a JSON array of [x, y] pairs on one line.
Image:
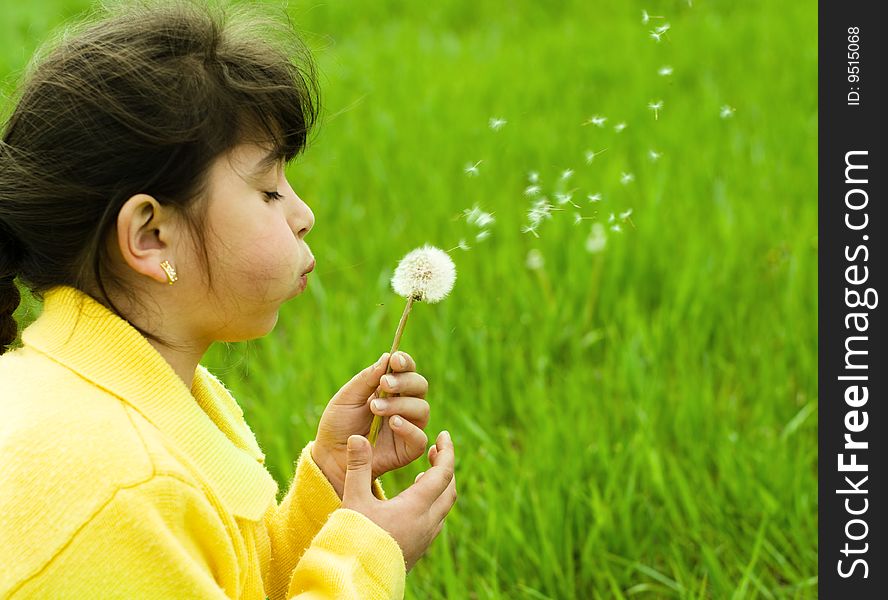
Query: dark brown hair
[[142, 100]]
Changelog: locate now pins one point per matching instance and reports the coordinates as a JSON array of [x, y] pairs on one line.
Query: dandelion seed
[[625, 214], [616, 227], [590, 155], [533, 176], [626, 178], [534, 260], [482, 235], [612, 218], [497, 124], [478, 217], [532, 190], [530, 229], [665, 71], [540, 210], [663, 28], [594, 197], [596, 120], [471, 169], [566, 198], [565, 174], [645, 17], [597, 239], [463, 245], [619, 127], [656, 107], [727, 112], [656, 35], [654, 155]]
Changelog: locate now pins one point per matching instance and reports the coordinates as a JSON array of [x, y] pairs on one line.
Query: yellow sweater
[[117, 481]]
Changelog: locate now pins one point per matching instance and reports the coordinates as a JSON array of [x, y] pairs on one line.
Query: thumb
[[358, 472], [356, 391]]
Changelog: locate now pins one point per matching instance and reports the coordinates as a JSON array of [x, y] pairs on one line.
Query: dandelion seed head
[[497, 124], [427, 274], [597, 239], [535, 260]]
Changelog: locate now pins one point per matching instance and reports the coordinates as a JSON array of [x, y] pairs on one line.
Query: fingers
[[364, 383], [412, 437], [414, 410], [436, 480], [359, 471], [402, 362], [404, 384]]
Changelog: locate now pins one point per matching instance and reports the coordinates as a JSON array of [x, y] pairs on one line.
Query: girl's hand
[[350, 413], [414, 517]]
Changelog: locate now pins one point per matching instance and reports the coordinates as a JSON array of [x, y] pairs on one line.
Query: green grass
[[636, 423]]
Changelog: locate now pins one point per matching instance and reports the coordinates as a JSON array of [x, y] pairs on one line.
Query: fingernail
[[446, 435], [402, 361], [391, 382], [379, 405], [351, 443], [397, 421], [381, 360]]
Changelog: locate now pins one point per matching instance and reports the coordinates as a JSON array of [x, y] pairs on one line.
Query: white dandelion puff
[[532, 190], [597, 239], [471, 169], [482, 235], [654, 155], [626, 178], [656, 107], [620, 126], [426, 274], [665, 71], [533, 177], [727, 111], [497, 124], [590, 155], [534, 260], [594, 197]]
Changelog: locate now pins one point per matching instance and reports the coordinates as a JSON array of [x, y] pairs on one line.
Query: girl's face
[[256, 243]]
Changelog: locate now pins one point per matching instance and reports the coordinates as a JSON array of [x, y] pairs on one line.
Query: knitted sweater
[[117, 481]]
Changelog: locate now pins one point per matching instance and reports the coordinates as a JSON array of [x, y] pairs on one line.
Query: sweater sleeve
[[305, 511]]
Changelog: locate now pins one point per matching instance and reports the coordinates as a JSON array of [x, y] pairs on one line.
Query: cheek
[[269, 255]]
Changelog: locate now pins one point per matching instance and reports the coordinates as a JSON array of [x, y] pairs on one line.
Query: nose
[[302, 219]]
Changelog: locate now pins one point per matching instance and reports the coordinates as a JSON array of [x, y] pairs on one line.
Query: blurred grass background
[[637, 422]]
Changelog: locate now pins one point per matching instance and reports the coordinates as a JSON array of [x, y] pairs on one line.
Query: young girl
[[143, 198]]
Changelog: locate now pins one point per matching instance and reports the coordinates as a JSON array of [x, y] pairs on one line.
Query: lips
[[310, 268]]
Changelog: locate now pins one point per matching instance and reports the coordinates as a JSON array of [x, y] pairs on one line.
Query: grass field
[[635, 422]]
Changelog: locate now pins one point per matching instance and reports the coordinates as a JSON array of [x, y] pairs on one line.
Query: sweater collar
[[205, 422]]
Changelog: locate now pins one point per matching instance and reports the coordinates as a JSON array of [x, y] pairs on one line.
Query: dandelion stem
[[376, 424]]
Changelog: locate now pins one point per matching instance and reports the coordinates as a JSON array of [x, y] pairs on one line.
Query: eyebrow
[[266, 163]]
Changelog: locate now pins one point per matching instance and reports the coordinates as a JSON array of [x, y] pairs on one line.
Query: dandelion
[[426, 274], [654, 155], [626, 178], [497, 124], [597, 239], [645, 17], [478, 217], [656, 107], [482, 235], [533, 177], [665, 71], [590, 155], [620, 127], [565, 174], [471, 169], [727, 112], [594, 197], [534, 260], [532, 190]]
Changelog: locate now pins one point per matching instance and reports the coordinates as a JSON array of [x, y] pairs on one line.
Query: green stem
[[376, 424]]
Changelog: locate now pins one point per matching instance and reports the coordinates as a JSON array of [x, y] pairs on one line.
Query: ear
[[144, 232]]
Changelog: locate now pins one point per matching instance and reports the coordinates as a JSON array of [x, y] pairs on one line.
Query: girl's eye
[[273, 195]]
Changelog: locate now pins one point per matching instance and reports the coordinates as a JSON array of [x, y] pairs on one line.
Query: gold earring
[[170, 271]]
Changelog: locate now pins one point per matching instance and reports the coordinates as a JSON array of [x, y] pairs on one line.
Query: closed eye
[[273, 195]]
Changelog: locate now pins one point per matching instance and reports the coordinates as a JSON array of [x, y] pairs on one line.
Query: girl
[[143, 198]]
